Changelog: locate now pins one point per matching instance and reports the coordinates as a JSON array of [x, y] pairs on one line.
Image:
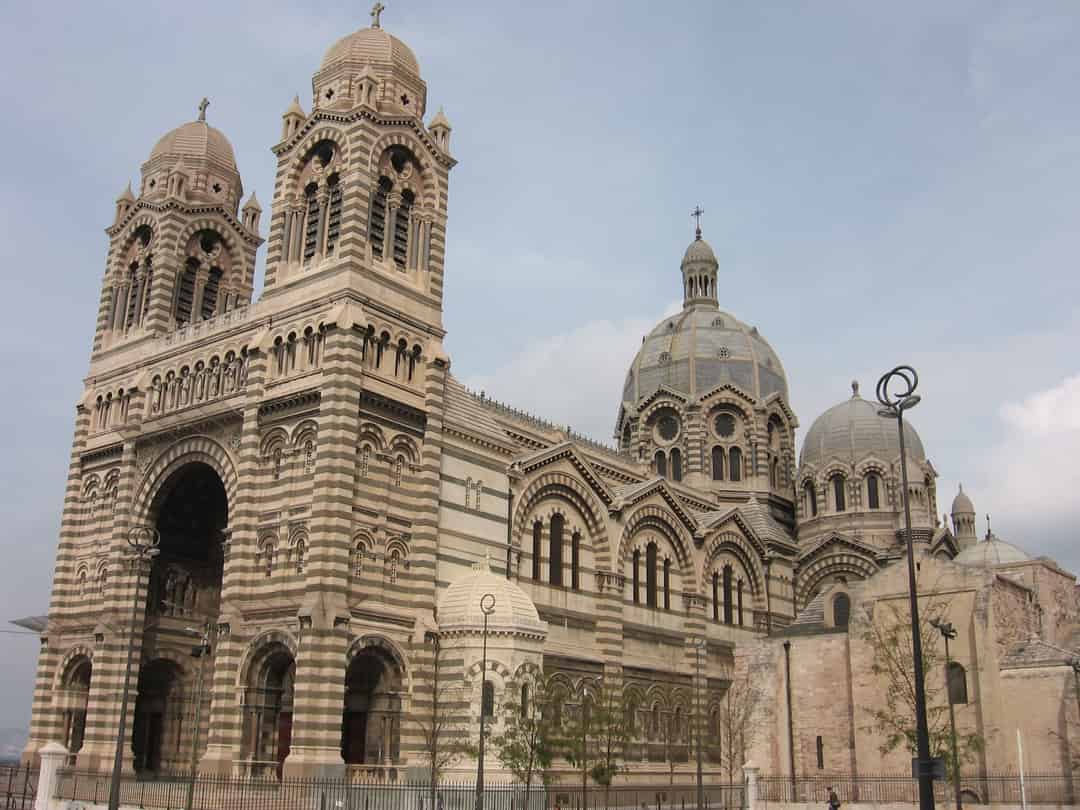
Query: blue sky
[[882, 183]]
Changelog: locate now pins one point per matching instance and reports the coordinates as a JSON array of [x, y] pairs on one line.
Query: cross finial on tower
[[696, 214], [202, 108], [376, 10], [854, 388]]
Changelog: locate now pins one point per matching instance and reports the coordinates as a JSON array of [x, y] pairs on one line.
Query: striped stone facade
[[318, 479]]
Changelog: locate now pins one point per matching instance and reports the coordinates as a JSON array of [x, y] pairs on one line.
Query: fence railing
[[1038, 788], [18, 786], [233, 793]]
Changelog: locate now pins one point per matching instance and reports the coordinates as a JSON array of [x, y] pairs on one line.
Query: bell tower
[[360, 198], [181, 251]]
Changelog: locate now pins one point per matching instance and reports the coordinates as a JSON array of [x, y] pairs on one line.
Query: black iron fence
[[1036, 788], [18, 784], [231, 793]]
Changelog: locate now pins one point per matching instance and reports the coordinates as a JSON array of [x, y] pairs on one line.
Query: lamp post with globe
[[487, 607], [143, 542], [896, 393]]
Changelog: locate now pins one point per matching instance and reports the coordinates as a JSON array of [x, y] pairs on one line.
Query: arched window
[[728, 606], [555, 550], [661, 463], [716, 596], [311, 221], [636, 576], [301, 556], [810, 506], [841, 610], [774, 473], [401, 228], [676, 464], [739, 593], [956, 678], [872, 498], [650, 575], [735, 464], [667, 584], [838, 493], [538, 532], [718, 463], [487, 705], [333, 213], [377, 223], [575, 561], [399, 469], [524, 700], [185, 292]]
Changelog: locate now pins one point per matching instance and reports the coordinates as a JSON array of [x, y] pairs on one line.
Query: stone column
[[286, 232], [200, 288], [324, 617], [324, 219], [393, 203], [224, 729]]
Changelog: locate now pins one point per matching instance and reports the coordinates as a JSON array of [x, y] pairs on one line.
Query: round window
[[725, 425], [667, 427]]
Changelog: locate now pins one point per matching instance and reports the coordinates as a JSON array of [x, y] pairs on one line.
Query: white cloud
[[574, 378]]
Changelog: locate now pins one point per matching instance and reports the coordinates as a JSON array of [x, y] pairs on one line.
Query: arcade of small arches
[[841, 492], [218, 376], [399, 223]]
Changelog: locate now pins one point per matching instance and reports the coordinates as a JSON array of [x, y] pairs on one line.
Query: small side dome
[[990, 552], [962, 504], [459, 608], [853, 430]]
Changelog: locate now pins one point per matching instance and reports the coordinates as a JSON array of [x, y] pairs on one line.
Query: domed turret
[[514, 611], [205, 158], [699, 267], [963, 519], [370, 67]]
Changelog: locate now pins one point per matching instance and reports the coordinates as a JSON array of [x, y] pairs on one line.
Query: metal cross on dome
[[376, 10], [696, 214]]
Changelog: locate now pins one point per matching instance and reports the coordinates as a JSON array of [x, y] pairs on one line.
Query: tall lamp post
[[143, 542], [700, 645], [487, 607], [896, 393], [949, 632], [198, 652]]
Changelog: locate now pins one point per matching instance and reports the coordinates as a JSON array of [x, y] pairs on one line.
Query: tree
[[595, 736], [525, 746], [445, 731], [888, 631], [736, 730]]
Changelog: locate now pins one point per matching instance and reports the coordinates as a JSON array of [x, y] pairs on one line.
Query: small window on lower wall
[[488, 699], [820, 753]]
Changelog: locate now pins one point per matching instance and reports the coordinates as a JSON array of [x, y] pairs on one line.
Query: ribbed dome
[[198, 140], [991, 551], [853, 430], [962, 504], [699, 251], [459, 608], [372, 45], [701, 348]]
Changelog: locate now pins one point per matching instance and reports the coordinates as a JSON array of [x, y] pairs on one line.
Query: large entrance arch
[[371, 719], [72, 700], [190, 511]]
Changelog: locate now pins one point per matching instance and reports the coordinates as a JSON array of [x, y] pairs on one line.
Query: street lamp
[[700, 646], [198, 652], [143, 542], [894, 403], [487, 607], [949, 632]]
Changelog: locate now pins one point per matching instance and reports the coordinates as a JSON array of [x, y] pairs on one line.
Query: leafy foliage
[[525, 745], [737, 730]]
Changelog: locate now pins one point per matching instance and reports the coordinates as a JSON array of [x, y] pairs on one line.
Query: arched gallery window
[[661, 463], [556, 548], [718, 463], [676, 464], [650, 575], [488, 699], [872, 496], [716, 596], [728, 617], [838, 493], [538, 535], [636, 576], [735, 464], [575, 561], [810, 507], [667, 584]]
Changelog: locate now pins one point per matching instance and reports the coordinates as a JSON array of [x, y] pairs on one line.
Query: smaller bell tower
[[181, 251]]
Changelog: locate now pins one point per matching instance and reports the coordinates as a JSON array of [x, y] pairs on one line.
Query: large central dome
[[703, 347]]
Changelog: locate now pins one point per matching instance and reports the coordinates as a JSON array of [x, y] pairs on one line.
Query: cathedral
[[329, 504]]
